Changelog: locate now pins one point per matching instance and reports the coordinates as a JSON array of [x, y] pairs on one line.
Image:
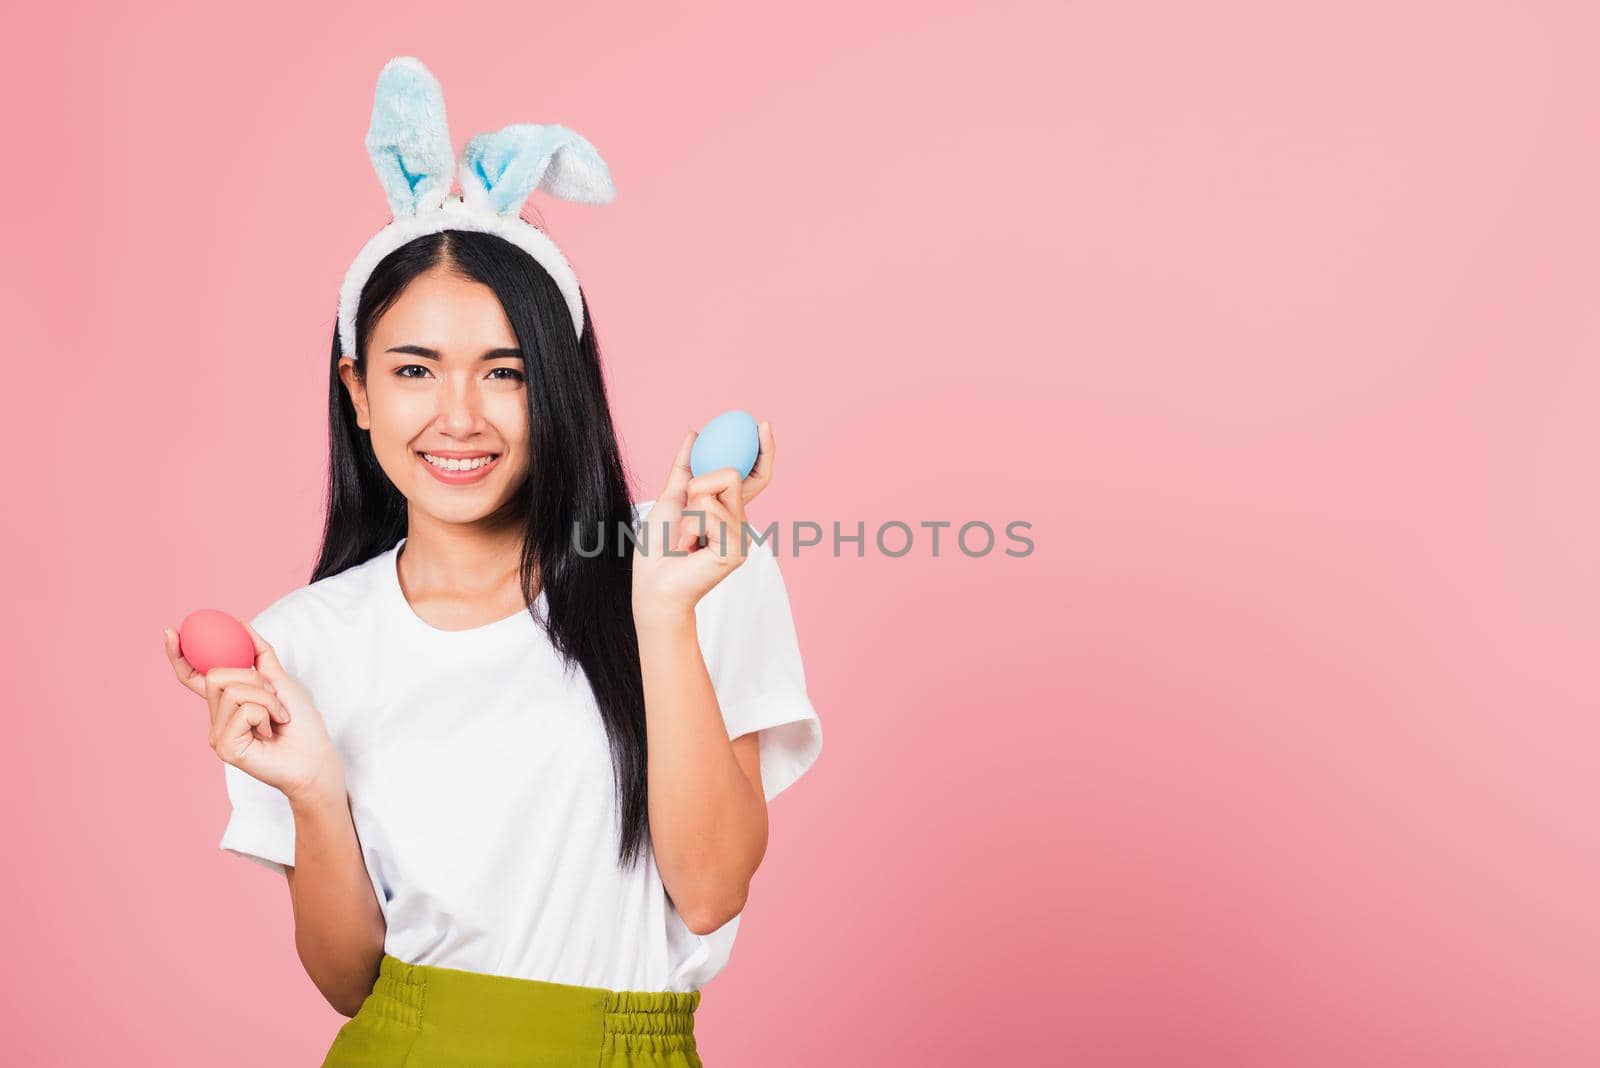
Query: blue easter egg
[[729, 440]]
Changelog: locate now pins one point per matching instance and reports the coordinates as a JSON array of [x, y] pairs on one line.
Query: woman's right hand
[[263, 721]]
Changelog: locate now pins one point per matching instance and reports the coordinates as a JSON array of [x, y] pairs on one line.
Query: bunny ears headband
[[409, 143]]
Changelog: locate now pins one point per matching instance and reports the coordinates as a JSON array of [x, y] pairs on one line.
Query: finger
[[722, 483], [761, 474], [661, 523], [730, 501], [702, 521], [238, 729], [723, 478], [692, 526], [730, 495], [232, 676], [733, 501], [727, 530], [240, 693], [267, 662], [227, 718], [238, 696], [181, 667], [217, 681], [678, 478], [721, 529]]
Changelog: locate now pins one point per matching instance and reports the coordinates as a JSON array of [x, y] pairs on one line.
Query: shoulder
[[312, 616], [329, 597]]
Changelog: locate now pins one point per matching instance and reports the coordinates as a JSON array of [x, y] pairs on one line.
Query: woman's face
[[445, 377]]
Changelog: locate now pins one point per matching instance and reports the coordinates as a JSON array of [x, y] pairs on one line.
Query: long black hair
[[576, 476]]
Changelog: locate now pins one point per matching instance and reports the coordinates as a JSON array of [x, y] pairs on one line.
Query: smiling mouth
[[455, 465], [471, 471]]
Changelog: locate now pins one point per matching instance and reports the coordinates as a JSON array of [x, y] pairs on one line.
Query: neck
[[467, 560]]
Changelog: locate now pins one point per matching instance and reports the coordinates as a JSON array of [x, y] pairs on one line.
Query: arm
[[338, 926], [708, 814]]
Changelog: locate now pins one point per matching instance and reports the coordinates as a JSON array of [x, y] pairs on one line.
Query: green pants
[[422, 1016]]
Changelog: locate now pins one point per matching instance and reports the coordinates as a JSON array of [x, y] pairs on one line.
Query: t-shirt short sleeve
[[752, 653], [261, 826]]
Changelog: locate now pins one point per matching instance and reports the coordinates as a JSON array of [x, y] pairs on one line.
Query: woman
[[513, 762]]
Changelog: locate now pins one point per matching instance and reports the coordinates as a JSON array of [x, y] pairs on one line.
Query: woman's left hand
[[704, 523]]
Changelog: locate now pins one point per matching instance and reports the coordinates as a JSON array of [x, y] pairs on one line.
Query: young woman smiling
[[518, 790]]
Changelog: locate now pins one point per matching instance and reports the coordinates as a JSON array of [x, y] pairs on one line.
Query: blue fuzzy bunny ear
[[500, 170], [409, 140]]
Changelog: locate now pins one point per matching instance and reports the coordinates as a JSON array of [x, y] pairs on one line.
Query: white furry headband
[[409, 143]]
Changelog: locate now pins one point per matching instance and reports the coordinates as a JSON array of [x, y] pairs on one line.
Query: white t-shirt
[[480, 776]]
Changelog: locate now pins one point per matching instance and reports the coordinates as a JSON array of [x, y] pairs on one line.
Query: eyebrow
[[433, 354]]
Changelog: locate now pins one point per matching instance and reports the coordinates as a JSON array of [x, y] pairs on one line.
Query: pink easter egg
[[208, 638]]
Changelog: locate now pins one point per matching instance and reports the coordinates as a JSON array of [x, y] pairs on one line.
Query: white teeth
[[448, 464]]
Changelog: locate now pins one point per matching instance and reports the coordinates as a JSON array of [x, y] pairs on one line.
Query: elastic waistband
[[422, 995]]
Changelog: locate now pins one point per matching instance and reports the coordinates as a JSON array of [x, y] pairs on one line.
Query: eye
[[516, 376]]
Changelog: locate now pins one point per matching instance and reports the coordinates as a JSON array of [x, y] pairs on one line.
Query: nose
[[460, 406]]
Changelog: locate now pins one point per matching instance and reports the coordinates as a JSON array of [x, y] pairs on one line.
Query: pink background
[[1278, 326]]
